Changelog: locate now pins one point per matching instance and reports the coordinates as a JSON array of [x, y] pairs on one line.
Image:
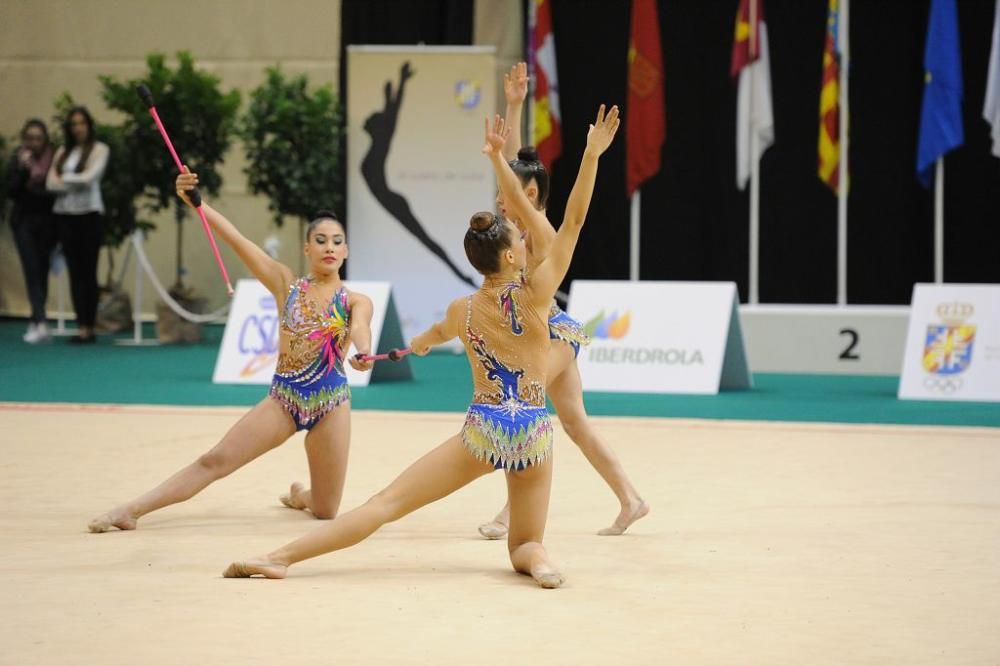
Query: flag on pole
[[751, 64], [941, 113], [829, 103], [991, 107], [645, 119], [547, 120]]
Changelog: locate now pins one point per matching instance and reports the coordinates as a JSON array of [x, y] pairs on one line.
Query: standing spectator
[[75, 177], [31, 220]]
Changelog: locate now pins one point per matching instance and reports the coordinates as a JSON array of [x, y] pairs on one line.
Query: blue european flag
[[941, 113]]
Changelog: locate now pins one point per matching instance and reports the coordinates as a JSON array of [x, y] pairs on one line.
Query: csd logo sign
[[258, 337]]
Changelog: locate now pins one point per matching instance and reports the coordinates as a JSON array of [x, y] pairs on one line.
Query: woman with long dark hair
[[75, 177]]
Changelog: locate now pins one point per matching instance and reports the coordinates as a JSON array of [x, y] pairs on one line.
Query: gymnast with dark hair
[[381, 126], [320, 318], [503, 327], [565, 389]]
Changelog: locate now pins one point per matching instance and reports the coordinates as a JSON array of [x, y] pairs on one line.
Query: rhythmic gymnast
[[564, 386], [504, 331], [320, 319]]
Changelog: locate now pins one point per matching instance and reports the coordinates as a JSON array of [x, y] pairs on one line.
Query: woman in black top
[[31, 219]]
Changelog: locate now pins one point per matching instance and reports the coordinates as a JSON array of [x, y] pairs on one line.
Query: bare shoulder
[[540, 298], [281, 289], [457, 307], [454, 319], [288, 277], [356, 299]]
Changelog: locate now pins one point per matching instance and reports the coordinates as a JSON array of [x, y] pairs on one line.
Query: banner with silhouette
[[415, 173]]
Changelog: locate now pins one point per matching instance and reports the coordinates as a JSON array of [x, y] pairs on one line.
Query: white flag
[[757, 119], [991, 107]]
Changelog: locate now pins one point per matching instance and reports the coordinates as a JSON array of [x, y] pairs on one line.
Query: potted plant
[[292, 139], [201, 120]]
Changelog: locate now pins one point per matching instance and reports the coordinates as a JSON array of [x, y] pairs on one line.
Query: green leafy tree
[[292, 139], [200, 119]]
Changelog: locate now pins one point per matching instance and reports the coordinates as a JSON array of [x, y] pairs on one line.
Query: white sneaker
[[31, 336], [42, 331]]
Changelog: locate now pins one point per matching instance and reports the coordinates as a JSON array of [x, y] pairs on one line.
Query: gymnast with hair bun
[[564, 387], [319, 321], [504, 329]]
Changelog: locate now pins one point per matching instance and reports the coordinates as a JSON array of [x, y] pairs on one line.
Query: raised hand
[[515, 83], [405, 71], [186, 181], [495, 136], [602, 132]]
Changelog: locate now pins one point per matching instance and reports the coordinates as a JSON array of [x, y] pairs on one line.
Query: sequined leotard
[[561, 325], [507, 345], [310, 381], [565, 328]]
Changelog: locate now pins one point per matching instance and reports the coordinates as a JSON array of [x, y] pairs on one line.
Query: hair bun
[[528, 154], [325, 214], [482, 221]]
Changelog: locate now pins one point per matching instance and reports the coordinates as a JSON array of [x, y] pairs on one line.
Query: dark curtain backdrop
[[694, 219]]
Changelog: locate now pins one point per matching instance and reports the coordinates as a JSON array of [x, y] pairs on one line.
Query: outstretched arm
[[515, 89], [551, 271], [539, 229], [443, 331], [272, 274]]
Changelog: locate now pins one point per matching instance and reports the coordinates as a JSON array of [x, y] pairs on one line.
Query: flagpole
[[633, 245], [532, 12], [754, 166], [939, 221], [843, 35]]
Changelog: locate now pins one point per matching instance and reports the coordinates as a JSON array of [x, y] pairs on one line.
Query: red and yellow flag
[[751, 66], [746, 52], [547, 120], [829, 104], [645, 119]]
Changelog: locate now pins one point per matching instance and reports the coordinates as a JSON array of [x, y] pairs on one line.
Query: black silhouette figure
[[381, 126]]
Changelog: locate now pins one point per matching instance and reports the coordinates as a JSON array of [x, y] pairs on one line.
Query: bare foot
[[260, 567], [119, 518], [293, 498], [628, 515], [493, 529], [546, 576], [497, 528]]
